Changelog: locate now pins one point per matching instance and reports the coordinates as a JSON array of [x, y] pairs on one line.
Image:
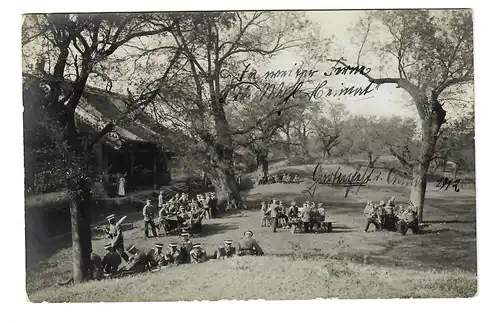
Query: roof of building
[[98, 107]]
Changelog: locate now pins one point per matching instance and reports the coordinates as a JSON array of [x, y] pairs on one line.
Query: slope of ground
[[270, 278], [440, 262]]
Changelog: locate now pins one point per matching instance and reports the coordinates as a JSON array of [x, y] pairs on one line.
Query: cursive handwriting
[[347, 180]]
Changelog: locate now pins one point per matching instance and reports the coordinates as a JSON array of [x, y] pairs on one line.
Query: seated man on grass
[[225, 251], [138, 262], [247, 246], [198, 254]]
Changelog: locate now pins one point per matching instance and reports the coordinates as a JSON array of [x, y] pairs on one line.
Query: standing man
[[371, 217], [111, 261], [306, 216], [116, 236], [148, 213], [274, 209], [206, 206]]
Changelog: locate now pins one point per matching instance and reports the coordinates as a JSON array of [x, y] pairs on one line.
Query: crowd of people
[[388, 216], [179, 213], [182, 252], [309, 217], [183, 215], [285, 178]]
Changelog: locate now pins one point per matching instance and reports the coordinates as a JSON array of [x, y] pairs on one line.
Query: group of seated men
[[388, 216], [184, 252], [179, 213], [285, 178], [309, 216]]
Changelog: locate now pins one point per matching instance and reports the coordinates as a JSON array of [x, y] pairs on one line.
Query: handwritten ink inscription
[[361, 178], [300, 75]]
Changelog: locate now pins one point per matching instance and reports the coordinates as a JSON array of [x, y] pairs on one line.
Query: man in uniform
[[390, 214], [156, 258], [306, 216], [274, 208], [247, 246], [225, 251], [265, 211], [173, 256], [137, 264], [110, 261], [282, 217], [148, 213], [293, 211], [198, 254], [321, 216], [186, 247], [409, 220], [116, 236], [96, 270], [371, 217]]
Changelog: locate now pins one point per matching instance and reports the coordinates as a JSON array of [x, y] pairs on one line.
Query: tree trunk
[[263, 163], [455, 171], [430, 129], [288, 150], [445, 161], [81, 238]]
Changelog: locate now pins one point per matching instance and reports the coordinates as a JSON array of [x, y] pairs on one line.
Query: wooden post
[[155, 181]]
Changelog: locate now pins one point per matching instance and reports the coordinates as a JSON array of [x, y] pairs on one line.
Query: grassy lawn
[[346, 263]]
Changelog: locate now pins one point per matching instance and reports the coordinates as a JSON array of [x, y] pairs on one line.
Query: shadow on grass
[[216, 228]]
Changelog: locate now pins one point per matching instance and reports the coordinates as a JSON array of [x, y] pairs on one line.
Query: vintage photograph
[[244, 155]]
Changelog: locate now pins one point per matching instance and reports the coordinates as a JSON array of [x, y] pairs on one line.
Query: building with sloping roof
[[131, 148]]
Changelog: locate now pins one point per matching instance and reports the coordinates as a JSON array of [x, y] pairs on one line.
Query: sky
[[387, 100]]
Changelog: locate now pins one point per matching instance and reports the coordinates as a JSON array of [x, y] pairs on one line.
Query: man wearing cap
[[185, 247], [148, 213], [138, 263], [116, 236], [225, 251], [156, 258], [265, 214], [110, 261], [96, 269], [198, 254], [371, 216], [173, 256], [381, 214], [306, 216], [274, 209], [248, 246], [293, 211]]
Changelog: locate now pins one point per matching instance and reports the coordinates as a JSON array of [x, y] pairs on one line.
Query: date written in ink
[[444, 183]]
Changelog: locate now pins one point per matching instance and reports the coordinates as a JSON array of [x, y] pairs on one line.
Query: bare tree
[[432, 52], [68, 50]]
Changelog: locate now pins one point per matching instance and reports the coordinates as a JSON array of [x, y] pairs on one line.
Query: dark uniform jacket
[[96, 261], [248, 246], [148, 212], [274, 210], [198, 256], [174, 257], [156, 259], [225, 252], [110, 262], [138, 263], [293, 211]]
